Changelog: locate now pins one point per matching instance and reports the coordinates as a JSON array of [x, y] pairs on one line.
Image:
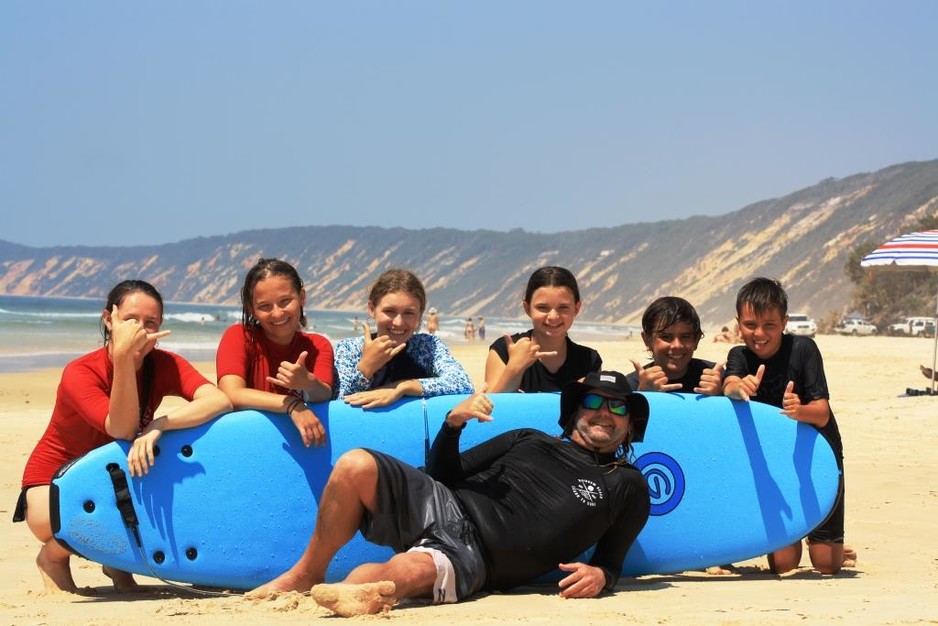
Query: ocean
[[38, 333]]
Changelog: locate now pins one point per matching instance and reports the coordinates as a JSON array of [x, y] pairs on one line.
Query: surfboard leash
[[125, 505], [426, 431]]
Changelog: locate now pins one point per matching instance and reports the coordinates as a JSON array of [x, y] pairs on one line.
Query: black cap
[[614, 384]]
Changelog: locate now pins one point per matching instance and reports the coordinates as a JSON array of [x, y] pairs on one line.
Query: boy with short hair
[[787, 371]]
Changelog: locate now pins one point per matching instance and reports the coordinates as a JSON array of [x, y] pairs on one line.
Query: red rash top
[[253, 357], [82, 403]]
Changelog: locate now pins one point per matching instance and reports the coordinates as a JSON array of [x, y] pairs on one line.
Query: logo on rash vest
[[587, 492]]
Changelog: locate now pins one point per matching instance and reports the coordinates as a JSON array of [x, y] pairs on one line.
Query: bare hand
[[653, 379], [374, 398], [791, 403], [584, 581], [523, 353], [141, 456], [477, 406], [377, 352], [128, 337], [293, 375], [310, 428], [748, 386], [711, 380]]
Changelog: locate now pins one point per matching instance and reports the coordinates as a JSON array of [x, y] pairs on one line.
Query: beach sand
[[892, 508]]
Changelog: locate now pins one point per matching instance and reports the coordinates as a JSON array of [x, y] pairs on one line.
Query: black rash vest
[[798, 359], [580, 361], [537, 501]]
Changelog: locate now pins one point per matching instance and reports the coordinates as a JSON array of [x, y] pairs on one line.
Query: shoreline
[[892, 503]]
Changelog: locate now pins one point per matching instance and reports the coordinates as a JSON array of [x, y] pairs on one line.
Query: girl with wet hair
[[268, 362], [113, 393]]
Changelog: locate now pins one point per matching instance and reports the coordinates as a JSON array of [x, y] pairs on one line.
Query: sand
[[892, 520]]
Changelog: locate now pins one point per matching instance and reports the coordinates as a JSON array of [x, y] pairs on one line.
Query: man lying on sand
[[495, 517]]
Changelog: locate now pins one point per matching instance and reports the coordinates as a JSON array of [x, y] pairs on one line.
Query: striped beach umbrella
[[914, 251]]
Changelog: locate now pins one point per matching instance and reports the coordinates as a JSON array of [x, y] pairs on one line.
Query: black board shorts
[[19, 513], [831, 530], [415, 511]]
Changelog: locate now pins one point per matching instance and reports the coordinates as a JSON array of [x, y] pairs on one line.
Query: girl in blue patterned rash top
[[379, 368]]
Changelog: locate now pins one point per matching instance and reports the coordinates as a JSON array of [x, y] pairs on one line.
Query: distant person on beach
[[112, 393], [728, 336], [543, 358], [671, 332], [724, 336], [379, 368], [268, 362], [470, 331], [787, 371], [433, 321], [480, 328], [492, 518]]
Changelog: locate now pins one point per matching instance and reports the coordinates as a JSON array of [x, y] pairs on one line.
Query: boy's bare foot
[[349, 600], [720, 570], [850, 557], [123, 581], [288, 581], [56, 573]]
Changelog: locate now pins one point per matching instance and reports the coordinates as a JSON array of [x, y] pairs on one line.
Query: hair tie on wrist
[[293, 404]]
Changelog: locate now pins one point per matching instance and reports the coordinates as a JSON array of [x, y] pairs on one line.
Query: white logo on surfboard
[[587, 492]]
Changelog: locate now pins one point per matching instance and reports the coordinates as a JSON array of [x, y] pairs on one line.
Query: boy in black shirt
[[787, 371]]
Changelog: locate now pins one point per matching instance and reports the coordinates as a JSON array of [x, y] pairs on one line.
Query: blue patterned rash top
[[440, 373]]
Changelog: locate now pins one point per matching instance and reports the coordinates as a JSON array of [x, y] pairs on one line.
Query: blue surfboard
[[232, 503]]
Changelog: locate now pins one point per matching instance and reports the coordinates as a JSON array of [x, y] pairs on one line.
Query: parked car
[[801, 324], [855, 326], [914, 327]]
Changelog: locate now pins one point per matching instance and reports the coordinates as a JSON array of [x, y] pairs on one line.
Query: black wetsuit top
[[689, 381], [799, 360], [538, 500], [580, 361]]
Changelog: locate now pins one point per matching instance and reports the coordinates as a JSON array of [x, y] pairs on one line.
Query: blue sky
[[125, 123]]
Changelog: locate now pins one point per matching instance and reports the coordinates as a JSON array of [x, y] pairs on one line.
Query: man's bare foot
[[721, 570], [288, 581], [123, 581], [349, 600], [56, 573], [850, 557]]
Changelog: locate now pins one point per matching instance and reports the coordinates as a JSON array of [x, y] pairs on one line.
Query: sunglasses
[[593, 401]]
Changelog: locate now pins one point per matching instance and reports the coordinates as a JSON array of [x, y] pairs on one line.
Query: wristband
[[293, 404]]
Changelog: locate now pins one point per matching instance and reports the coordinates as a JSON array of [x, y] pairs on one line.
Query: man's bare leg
[[350, 490]]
